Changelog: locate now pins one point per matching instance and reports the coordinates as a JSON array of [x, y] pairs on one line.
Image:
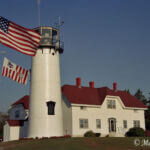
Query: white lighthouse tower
[[45, 109]]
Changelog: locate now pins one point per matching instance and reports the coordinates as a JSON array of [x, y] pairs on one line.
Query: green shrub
[[89, 134], [107, 135], [136, 131], [97, 134]]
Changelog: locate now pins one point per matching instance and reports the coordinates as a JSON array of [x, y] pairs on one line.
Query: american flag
[[19, 38], [14, 72]]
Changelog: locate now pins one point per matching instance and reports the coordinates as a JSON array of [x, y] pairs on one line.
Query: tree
[[140, 96], [147, 115], [148, 102], [127, 90]]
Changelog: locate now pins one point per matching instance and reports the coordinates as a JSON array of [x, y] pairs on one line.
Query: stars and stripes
[[19, 38], [14, 72]]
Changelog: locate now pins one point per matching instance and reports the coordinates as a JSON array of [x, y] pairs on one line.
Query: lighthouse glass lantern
[[50, 38]]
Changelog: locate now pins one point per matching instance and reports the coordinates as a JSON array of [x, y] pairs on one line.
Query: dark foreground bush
[[136, 131], [97, 134], [91, 134]]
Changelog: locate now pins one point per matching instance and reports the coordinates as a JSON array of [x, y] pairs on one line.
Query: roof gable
[[24, 101], [96, 96]]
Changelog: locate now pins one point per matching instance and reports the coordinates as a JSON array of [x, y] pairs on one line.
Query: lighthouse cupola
[[50, 37]]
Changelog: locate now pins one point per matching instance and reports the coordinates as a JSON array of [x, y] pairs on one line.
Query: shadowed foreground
[[76, 144]]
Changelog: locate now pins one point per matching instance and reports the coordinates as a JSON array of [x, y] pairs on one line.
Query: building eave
[[136, 108], [96, 106]]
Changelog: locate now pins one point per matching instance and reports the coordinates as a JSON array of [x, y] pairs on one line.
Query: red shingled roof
[[13, 122], [96, 96], [24, 100], [90, 96]]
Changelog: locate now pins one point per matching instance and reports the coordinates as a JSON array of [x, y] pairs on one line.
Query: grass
[[75, 144]]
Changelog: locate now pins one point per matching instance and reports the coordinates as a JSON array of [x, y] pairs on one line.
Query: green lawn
[[75, 144]]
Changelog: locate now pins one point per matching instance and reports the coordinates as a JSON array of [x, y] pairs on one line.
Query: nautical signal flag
[[14, 72], [19, 38]]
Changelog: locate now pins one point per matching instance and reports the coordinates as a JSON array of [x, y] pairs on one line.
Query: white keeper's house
[[103, 110]]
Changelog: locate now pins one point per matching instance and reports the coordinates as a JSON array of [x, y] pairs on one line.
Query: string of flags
[[14, 72], [19, 38]]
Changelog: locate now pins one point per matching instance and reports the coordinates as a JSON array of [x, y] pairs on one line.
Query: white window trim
[[136, 123], [98, 126], [111, 104], [125, 126], [84, 127]]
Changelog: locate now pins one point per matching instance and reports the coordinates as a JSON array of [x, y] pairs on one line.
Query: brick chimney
[[91, 84], [115, 87], [78, 82]]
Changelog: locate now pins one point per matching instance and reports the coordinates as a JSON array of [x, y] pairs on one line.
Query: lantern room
[[50, 37]]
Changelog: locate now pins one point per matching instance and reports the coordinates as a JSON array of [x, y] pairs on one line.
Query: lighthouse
[[45, 109]]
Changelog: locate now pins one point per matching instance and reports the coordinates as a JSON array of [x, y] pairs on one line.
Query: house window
[[17, 112], [111, 104], [82, 107], [98, 123], [83, 123], [51, 107], [125, 124], [136, 123]]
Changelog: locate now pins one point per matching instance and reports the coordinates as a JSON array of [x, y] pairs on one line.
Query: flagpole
[[38, 1], [3, 55]]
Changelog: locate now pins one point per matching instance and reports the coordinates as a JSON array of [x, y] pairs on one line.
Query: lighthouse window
[[46, 37], [46, 33], [51, 107]]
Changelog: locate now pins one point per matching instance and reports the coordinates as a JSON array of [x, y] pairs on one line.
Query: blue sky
[[105, 41]]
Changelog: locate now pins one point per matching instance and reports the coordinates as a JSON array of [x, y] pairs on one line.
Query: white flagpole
[[38, 1]]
